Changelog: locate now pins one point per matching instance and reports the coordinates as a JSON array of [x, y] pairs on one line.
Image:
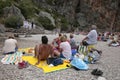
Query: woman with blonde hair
[[65, 48]]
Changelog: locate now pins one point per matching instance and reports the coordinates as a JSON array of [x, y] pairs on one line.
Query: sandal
[[22, 65]]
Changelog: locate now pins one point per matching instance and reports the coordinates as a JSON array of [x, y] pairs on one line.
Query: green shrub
[[13, 22], [3, 4], [64, 24], [27, 8], [76, 24], [46, 23], [50, 2]]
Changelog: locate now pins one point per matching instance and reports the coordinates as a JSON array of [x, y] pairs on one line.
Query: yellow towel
[[91, 47], [46, 68], [27, 50]]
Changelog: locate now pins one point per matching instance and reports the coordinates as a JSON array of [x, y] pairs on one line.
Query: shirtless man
[[44, 50]]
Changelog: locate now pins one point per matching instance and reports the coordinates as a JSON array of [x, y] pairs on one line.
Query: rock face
[[45, 14], [83, 13], [79, 14], [12, 10], [2, 28]]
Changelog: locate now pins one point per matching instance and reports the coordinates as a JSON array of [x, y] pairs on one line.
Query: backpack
[[54, 61], [79, 64], [92, 57]]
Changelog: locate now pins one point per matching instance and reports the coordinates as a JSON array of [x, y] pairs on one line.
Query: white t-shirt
[[92, 37], [65, 46], [9, 45]]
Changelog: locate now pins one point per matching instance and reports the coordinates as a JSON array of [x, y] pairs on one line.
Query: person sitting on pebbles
[[91, 37], [56, 42], [10, 45], [65, 48], [44, 50], [112, 41], [72, 42]]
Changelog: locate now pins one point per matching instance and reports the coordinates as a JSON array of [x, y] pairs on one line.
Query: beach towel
[[12, 58], [43, 64], [27, 50], [84, 50]]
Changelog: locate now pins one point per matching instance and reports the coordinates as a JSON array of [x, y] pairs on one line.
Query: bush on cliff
[[13, 22]]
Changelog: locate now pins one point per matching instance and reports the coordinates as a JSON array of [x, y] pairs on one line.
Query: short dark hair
[[71, 35], [60, 34], [44, 40]]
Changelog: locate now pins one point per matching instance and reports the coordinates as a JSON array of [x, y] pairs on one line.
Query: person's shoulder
[[14, 40], [62, 43], [6, 39], [66, 42], [41, 45], [49, 45], [10, 40], [93, 31]]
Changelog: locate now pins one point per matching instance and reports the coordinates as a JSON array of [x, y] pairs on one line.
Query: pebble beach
[[109, 63]]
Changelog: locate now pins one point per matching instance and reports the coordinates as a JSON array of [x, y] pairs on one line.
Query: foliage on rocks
[[46, 23], [13, 22], [27, 8], [3, 4]]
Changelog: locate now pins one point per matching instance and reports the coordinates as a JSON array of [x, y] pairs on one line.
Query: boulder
[[12, 10], [46, 14]]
